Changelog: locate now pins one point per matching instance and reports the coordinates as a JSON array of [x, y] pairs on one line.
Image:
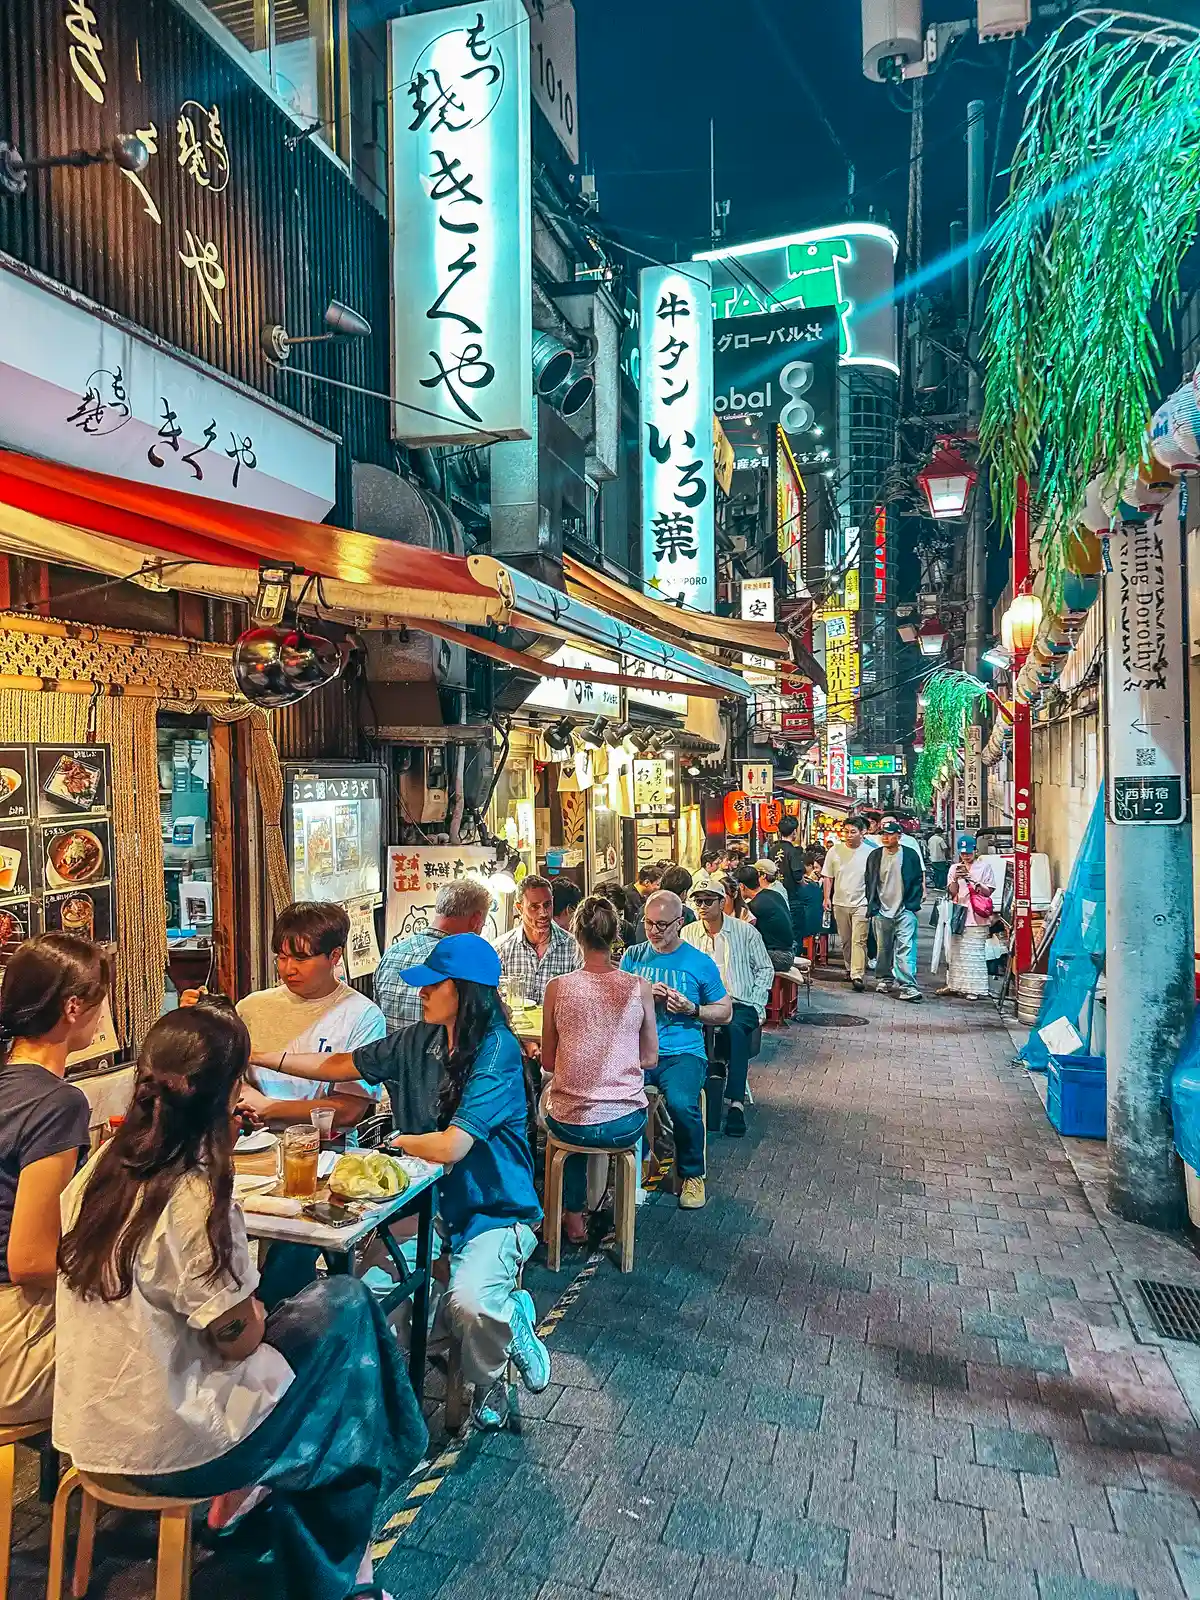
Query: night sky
[[652, 72]]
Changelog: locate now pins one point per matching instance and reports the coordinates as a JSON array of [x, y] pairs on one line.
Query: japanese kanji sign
[[777, 370], [841, 665], [415, 875], [462, 306], [1146, 756], [676, 383], [758, 605]]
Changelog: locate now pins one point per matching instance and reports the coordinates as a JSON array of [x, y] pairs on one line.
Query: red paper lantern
[[770, 815], [739, 812]]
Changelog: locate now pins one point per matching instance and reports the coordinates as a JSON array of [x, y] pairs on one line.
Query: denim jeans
[[740, 1032], [680, 1080], [617, 1134], [479, 1301], [897, 938]]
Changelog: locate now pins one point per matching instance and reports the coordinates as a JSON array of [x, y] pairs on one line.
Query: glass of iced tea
[[301, 1145]]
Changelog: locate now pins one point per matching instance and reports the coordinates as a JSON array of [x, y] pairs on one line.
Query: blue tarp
[[1077, 952]]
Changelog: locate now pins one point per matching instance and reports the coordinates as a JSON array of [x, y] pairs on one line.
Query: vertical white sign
[[552, 63], [676, 382], [460, 187], [973, 780], [758, 605], [1146, 752]]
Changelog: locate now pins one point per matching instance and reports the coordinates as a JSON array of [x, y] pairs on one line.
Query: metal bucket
[[1029, 996]]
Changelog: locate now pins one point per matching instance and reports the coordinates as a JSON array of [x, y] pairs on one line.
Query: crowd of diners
[[135, 1320]]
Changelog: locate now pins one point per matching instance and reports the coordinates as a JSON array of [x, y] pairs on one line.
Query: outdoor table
[[527, 1024], [342, 1247]]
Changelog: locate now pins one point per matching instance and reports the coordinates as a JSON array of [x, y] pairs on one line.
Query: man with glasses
[[688, 996]]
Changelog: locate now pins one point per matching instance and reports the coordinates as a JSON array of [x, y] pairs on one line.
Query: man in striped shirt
[[747, 973]]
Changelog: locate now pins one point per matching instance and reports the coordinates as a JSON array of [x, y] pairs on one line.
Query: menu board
[[56, 846]]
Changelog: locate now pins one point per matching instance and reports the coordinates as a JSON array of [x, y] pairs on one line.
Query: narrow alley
[[890, 1358]]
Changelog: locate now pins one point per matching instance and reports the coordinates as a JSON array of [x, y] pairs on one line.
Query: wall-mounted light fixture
[[339, 319], [126, 151]]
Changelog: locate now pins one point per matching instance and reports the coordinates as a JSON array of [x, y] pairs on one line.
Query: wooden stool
[[625, 1196], [9, 1439], [656, 1107], [173, 1578]]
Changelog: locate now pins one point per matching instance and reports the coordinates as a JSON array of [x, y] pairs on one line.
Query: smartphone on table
[[329, 1214]]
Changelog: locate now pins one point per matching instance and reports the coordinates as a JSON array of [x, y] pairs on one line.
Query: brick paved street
[[888, 1359]]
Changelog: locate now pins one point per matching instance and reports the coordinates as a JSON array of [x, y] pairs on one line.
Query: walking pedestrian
[[844, 876], [939, 858], [895, 886], [971, 884], [688, 995]]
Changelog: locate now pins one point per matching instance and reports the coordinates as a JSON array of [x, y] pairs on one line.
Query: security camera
[[893, 38]]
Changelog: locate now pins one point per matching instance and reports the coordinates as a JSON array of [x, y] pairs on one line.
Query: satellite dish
[[276, 667]]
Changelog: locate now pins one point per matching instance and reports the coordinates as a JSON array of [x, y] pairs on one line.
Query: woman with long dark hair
[[50, 1002], [171, 1373], [487, 1201]]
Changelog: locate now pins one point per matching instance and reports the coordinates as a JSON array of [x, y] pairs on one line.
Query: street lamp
[[1020, 623], [340, 320], [126, 151], [931, 637], [947, 482]]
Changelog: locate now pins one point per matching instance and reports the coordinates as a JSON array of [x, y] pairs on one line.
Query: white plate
[[245, 1183], [250, 1144]]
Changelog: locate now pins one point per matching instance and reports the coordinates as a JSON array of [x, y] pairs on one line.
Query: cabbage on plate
[[367, 1175]]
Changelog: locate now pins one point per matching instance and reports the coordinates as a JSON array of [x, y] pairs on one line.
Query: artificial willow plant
[[1104, 202], [949, 698]]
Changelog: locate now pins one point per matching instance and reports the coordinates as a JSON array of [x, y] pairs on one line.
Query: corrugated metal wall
[[290, 230], [321, 727]]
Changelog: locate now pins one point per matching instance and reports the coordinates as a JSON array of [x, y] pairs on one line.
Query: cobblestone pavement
[[890, 1358]]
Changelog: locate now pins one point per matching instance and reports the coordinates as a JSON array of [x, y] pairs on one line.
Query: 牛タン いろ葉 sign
[[1146, 760], [462, 307], [676, 409]]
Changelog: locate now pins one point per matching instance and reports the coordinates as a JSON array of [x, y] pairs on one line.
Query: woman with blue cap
[[971, 888], [487, 1202]]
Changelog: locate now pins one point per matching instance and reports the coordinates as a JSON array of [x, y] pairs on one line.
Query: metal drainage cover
[[830, 1019], [1174, 1309]]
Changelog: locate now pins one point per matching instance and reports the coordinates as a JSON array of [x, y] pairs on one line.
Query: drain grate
[[1174, 1309], [830, 1019]]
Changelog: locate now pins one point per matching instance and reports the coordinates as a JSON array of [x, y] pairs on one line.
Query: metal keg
[[1029, 996]]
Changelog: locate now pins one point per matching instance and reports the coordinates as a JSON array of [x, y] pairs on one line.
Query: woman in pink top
[[598, 1037]]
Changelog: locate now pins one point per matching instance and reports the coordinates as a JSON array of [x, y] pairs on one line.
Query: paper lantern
[[1025, 615], [739, 812], [1082, 553], [770, 815]]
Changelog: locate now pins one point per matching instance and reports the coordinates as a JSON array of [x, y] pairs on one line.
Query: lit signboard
[[841, 666], [880, 554], [462, 298], [789, 512], [851, 268], [875, 766], [758, 605], [676, 411]]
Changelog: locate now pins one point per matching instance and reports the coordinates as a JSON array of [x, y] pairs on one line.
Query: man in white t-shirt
[[310, 1012], [845, 878]]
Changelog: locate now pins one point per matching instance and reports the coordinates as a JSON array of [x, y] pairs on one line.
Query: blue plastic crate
[[1077, 1096]]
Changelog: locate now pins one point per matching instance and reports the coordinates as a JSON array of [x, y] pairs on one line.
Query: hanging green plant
[[1103, 204], [950, 698]]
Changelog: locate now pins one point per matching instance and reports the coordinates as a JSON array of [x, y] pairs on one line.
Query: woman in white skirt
[[971, 886]]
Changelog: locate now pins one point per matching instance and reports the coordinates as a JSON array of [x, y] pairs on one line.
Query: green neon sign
[[874, 766]]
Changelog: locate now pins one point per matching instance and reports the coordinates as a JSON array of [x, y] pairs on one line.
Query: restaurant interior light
[[558, 735], [931, 637], [616, 733], [947, 481], [593, 733]]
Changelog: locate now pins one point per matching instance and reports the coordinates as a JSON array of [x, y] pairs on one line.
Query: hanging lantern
[[1082, 553], [947, 482], [770, 815], [739, 812], [1025, 616]]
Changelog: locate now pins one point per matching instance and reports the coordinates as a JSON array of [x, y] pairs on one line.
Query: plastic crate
[[1077, 1096]]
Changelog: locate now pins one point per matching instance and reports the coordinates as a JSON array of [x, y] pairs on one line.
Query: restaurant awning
[[165, 539], [827, 799]]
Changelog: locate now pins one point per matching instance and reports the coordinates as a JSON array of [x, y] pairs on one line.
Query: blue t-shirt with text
[[695, 975]]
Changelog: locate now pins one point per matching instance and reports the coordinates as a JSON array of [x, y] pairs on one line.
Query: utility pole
[[1148, 856], [976, 564]]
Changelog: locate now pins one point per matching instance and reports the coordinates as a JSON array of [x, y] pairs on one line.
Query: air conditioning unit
[[1002, 19]]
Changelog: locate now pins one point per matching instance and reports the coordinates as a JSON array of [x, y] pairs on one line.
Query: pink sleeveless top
[[597, 1070]]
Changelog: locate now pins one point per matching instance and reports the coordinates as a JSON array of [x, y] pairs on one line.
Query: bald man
[[688, 995]]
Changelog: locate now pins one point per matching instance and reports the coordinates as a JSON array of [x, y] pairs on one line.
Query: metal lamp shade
[[275, 667]]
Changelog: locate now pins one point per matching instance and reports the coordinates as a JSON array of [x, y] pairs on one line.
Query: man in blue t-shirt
[[688, 996]]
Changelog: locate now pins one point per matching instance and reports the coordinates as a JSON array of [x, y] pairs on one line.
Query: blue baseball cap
[[966, 841], [459, 955]]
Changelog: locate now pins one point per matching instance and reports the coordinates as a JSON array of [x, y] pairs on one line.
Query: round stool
[[625, 1195], [173, 1576], [10, 1438]]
